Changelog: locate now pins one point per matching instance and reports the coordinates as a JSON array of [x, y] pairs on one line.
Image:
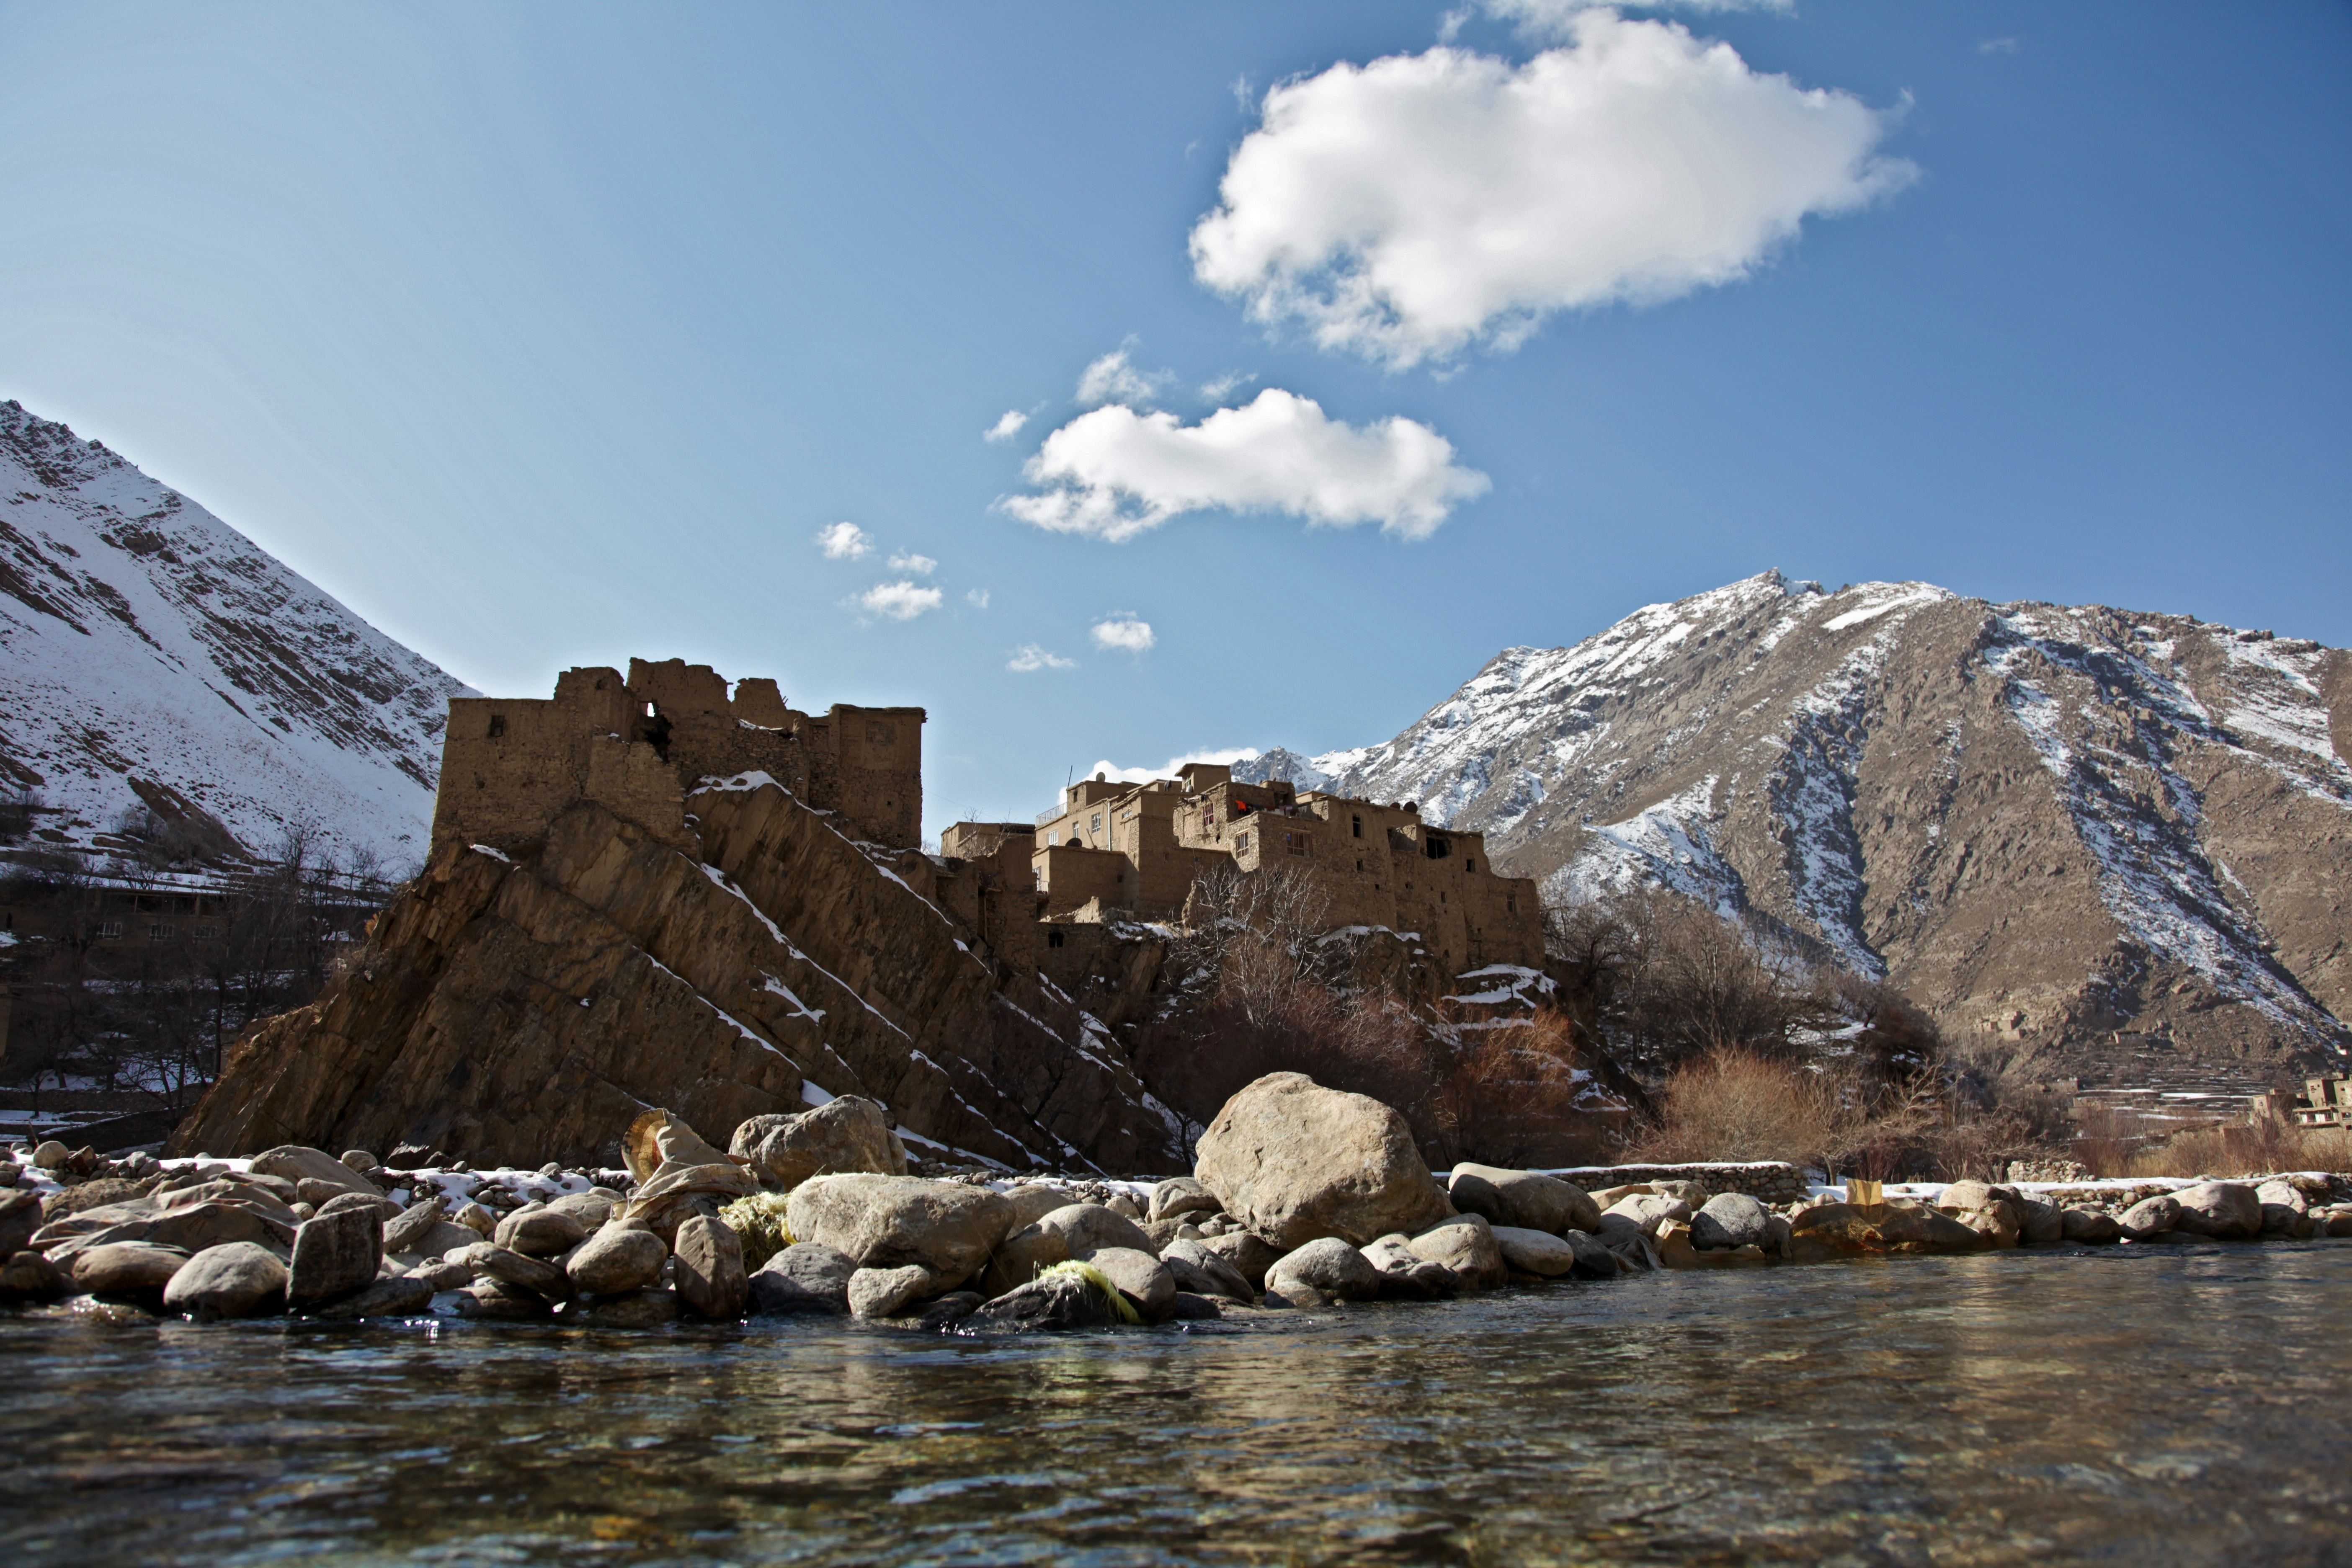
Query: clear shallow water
[[2134, 1405]]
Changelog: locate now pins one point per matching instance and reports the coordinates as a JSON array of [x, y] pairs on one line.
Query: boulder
[[947, 1312], [1163, 1231], [1033, 1201], [1466, 1244], [1056, 1301], [1148, 1286], [1729, 1220], [710, 1276], [1528, 1200], [137, 1269], [1088, 1227], [441, 1240], [474, 1217], [1021, 1257], [2045, 1222], [1295, 1161], [51, 1156], [1404, 1276], [362, 1162], [805, 1278], [500, 1302], [2225, 1211], [848, 1134], [509, 1267], [405, 1230], [540, 1232], [235, 1279], [193, 1228], [1594, 1261], [1203, 1272], [1915, 1227], [1250, 1254], [334, 1255], [2085, 1224], [20, 1216], [591, 1208], [1327, 1265], [884, 1292], [1180, 1195], [1992, 1224], [384, 1209], [444, 1275], [617, 1259], [1968, 1195], [1649, 1211], [402, 1296], [294, 1162], [644, 1309], [29, 1277], [885, 1221], [1534, 1251], [2285, 1194], [2150, 1217]]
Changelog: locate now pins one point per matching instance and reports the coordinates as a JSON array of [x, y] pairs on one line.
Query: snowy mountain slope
[[2055, 826], [149, 651]]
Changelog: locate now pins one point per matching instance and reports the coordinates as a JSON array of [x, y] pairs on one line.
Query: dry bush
[[1514, 1096], [1736, 1104], [2266, 1145]]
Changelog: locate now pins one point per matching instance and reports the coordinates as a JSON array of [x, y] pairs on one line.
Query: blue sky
[[546, 334]]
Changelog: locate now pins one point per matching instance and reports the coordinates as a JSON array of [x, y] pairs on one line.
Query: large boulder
[[1021, 1257], [2225, 1211], [804, 1280], [334, 1255], [1528, 1200], [848, 1135], [885, 1221], [1535, 1251], [615, 1260], [411, 1225], [193, 1228], [137, 1269], [710, 1276], [1327, 1265], [540, 1232], [1295, 1161], [1149, 1288], [1033, 1201], [1085, 1228], [2150, 1217], [294, 1162], [1464, 1243], [1729, 1220], [235, 1279]]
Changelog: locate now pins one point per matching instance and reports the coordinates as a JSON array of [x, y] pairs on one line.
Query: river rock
[[2225, 1211], [106, 1190], [2085, 1223], [615, 1260], [886, 1222], [1180, 1195], [1327, 1265], [883, 1292], [193, 1228], [1033, 1201], [1594, 1261], [1250, 1254], [499, 1301], [1728, 1220], [512, 1268], [402, 1296], [848, 1134], [1295, 1162], [1534, 1251], [441, 1240], [1994, 1224], [1464, 1243], [2045, 1222], [1204, 1272], [2283, 1192], [1057, 1302], [1163, 1231], [476, 1217], [334, 1255], [1649, 1211], [294, 1162], [1915, 1227], [1528, 1200], [1085, 1228], [541, 1232], [643, 1309], [1967, 1196], [444, 1275], [805, 1278], [51, 1156], [405, 1231], [2150, 1217], [235, 1279], [1148, 1286], [710, 1276], [139, 1269], [29, 1277], [944, 1312], [1021, 1257], [384, 1209], [590, 1208], [20, 1216]]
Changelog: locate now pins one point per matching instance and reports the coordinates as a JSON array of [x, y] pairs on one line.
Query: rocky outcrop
[[514, 1009]]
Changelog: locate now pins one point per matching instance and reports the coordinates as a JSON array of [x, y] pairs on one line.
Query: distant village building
[[2326, 1102]]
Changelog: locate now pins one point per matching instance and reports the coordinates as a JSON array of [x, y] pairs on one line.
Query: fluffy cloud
[[907, 560], [1029, 658], [1174, 766], [1555, 18], [1008, 425], [900, 601], [1410, 207], [976, 597], [844, 542], [1113, 379], [1116, 472], [1124, 633], [1225, 385]]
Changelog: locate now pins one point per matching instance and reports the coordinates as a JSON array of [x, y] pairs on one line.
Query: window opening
[[1470, 863], [1357, 824], [497, 725], [1053, 939]]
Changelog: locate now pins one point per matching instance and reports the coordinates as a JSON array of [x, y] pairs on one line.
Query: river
[[2132, 1405]]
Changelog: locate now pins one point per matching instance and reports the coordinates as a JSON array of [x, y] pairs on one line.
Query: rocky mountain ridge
[[152, 655], [2117, 843]]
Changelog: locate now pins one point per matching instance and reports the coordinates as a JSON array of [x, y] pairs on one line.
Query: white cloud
[[1225, 385], [1112, 379], [907, 560], [1998, 46], [1124, 633], [1174, 766], [1029, 656], [1555, 18], [1008, 425], [900, 601], [1115, 472], [977, 598], [1408, 208], [844, 542]]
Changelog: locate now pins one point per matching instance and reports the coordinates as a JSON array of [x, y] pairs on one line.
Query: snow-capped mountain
[[2057, 826], [150, 653]]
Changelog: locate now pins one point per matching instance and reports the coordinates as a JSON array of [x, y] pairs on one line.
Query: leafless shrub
[[2255, 1148]]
